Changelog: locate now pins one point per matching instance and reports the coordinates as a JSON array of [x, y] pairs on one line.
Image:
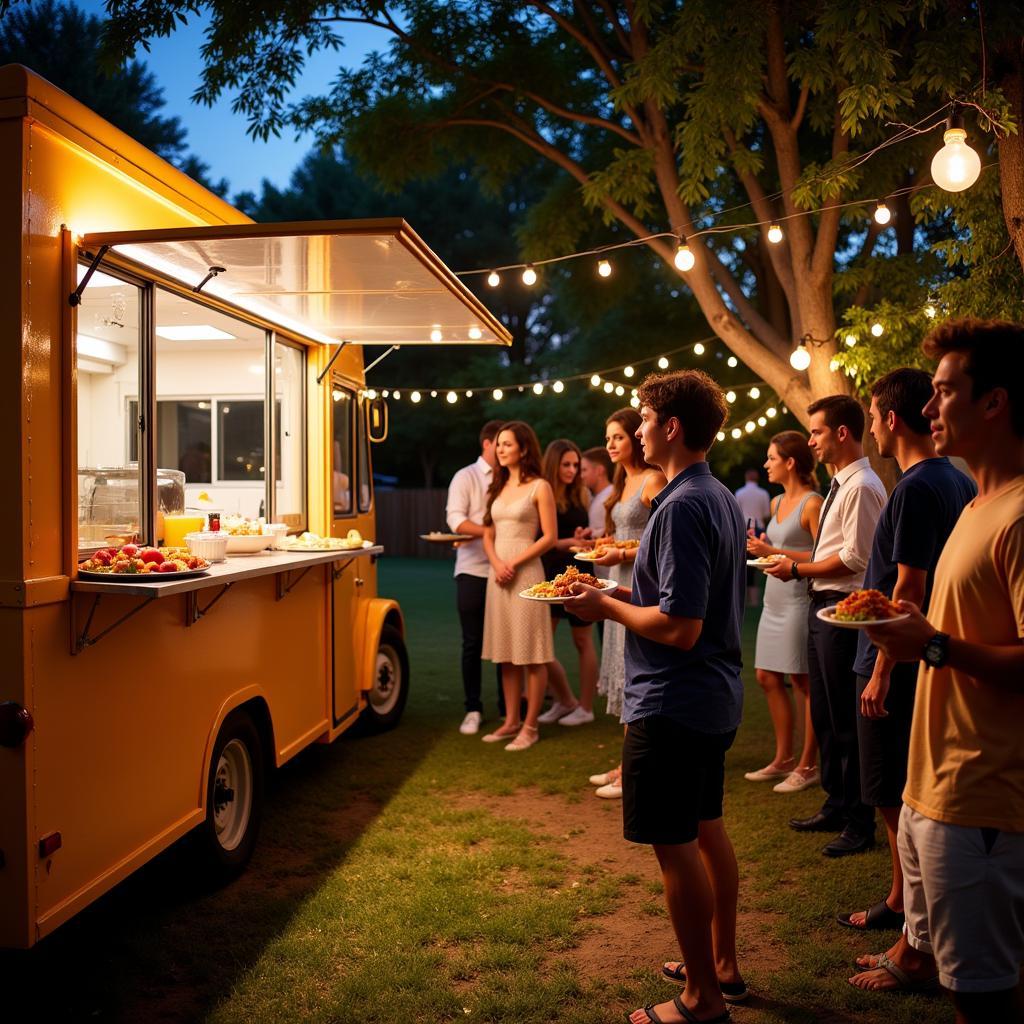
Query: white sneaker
[[797, 781], [471, 723], [554, 713], [578, 716], [613, 791]]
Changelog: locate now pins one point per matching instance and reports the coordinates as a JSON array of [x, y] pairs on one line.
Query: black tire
[[390, 686], [227, 837]]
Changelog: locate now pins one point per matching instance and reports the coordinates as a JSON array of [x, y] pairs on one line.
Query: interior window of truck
[[107, 356], [290, 430], [365, 474], [341, 449]]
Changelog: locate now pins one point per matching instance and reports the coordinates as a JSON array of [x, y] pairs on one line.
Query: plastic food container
[[279, 533], [211, 546]]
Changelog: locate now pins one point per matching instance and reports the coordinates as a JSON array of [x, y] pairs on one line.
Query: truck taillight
[[15, 724]]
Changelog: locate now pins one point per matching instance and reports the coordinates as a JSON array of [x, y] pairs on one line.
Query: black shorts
[[558, 611], [885, 742], [672, 780]]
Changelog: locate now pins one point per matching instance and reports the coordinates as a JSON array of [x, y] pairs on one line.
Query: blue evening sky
[[215, 134]]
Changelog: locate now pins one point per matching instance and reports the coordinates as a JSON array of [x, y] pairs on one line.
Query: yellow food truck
[[161, 353]]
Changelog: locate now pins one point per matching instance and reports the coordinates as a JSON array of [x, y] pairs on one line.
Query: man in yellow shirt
[[961, 834]]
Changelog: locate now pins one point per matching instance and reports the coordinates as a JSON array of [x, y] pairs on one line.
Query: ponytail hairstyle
[[629, 420], [791, 444], [529, 461], [566, 495]]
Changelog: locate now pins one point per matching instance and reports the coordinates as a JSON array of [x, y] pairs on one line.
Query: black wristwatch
[[794, 573], [936, 651]]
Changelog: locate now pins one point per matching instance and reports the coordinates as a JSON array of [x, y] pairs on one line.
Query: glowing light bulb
[[336, 396], [761, 421], [771, 412], [800, 358], [635, 402], [494, 279], [851, 340], [736, 433], [604, 268], [634, 392], [775, 234], [698, 349], [833, 365], [732, 361], [620, 391], [755, 392], [497, 394], [435, 334], [469, 394], [475, 333], [371, 394], [662, 363], [538, 388], [433, 394], [385, 393], [595, 381], [396, 395], [877, 330], [930, 311], [956, 166], [558, 387], [415, 397], [882, 213], [529, 275], [684, 258], [609, 387], [628, 371], [749, 426], [451, 398], [730, 396], [720, 435]]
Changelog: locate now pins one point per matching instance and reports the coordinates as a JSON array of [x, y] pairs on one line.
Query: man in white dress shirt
[[467, 503], [834, 569], [596, 474]]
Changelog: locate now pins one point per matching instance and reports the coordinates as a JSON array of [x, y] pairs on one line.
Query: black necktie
[[832, 492]]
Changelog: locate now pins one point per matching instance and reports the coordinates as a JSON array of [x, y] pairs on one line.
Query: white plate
[[604, 585], [296, 546], [248, 544], [829, 615], [586, 556], [445, 538], [762, 563]]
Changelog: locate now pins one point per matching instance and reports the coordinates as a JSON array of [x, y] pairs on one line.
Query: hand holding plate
[[586, 603], [903, 640]]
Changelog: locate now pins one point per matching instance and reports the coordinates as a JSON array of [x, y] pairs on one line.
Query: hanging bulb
[[851, 340], [755, 393], [497, 394], [956, 166], [620, 390], [469, 394], [736, 433], [698, 349], [415, 397], [800, 358], [833, 365], [397, 395], [882, 213], [877, 329], [604, 268], [475, 333], [684, 258], [720, 435], [634, 393], [663, 363], [595, 381], [775, 234], [529, 275], [609, 387], [371, 394], [494, 279], [538, 388], [730, 396], [385, 393], [749, 426], [771, 412], [558, 387], [635, 402], [433, 394], [451, 398], [733, 361], [761, 421], [435, 334], [930, 311], [628, 371]]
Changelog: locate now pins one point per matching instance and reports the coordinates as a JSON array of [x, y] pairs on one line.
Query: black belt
[[828, 596]]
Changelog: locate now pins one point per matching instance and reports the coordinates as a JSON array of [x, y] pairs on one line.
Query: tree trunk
[[1011, 149]]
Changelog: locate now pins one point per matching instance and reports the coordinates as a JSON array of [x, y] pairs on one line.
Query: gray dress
[[782, 632], [630, 518]]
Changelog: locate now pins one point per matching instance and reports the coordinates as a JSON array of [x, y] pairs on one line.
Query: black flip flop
[[732, 991], [687, 1015], [880, 917]]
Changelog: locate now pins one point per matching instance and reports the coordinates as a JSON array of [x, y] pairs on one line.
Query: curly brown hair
[[566, 496], [694, 398], [529, 461]]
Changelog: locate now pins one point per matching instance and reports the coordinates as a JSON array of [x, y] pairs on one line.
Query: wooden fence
[[403, 515]]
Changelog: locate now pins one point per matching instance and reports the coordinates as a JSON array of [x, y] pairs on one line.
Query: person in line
[[834, 569], [911, 533], [562, 471], [521, 525], [961, 832], [683, 695], [465, 510], [627, 509], [754, 502], [596, 473], [781, 647]]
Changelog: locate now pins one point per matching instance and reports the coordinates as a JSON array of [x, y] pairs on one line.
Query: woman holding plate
[[520, 526], [627, 510], [781, 647]]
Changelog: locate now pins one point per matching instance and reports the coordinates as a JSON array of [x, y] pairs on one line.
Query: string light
[[833, 365], [882, 213], [775, 234], [435, 334], [529, 275], [754, 393], [609, 387], [761, 421], [620, 390], [851, 340], [800, 358], [398, 395], [733, 361], [469, 394], [415, 397], [604, 268], [451, 398], [371, 394], [930, 311], [720, 435], [877, 329], [663, 363], [698, 349], [730, 396], [628, 371], [385, 393], [494, 279], [736, 433], [771, 412], [497, 394], [595, 381], [433, 394], [538, 388], [684, 258], [558, 387], [475, 333], [956, 166], [749, 426], [635, 402]]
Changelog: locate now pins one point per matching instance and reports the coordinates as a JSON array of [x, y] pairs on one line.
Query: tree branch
[[828, 223], [801, 107], [571, 115], [620, 32]]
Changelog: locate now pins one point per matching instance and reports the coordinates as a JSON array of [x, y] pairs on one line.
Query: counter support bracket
[[193, 612], [285, 583], [336, 574], [83, 640]]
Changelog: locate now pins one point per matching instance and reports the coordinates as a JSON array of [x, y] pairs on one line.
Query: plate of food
[[436, 537], [134, 564], [600, 548], [560, 588], [861, 609], [353, 541], [765, 562]]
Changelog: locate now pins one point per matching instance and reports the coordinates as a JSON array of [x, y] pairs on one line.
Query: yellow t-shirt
[[966, 764]]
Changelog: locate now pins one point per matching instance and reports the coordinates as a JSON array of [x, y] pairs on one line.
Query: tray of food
[[353, 541], [131, 563], [436, 537], [560, 588], [599, 548], [765, 561], [861, 609]]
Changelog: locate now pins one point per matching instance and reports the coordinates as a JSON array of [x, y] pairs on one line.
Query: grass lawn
[[425, 876]]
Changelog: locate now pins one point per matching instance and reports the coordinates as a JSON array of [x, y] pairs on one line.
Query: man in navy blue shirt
[[683, 695], [911, 533]]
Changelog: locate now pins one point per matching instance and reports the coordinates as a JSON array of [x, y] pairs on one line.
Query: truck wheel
[[389, 688], [234, 796]]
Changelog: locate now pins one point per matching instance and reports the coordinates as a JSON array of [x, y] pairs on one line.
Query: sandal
[[732, 991], [687, 1014], [880, 917], [904, 982], [501, 734], [528, 735]]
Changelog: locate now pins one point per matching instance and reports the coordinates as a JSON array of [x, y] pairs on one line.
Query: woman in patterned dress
[[520, 526]]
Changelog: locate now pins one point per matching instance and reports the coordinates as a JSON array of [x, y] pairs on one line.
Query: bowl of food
[[278, 532], [211, 545], [248, 543]]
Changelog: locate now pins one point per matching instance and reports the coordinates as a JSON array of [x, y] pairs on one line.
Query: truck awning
[[364, 282]]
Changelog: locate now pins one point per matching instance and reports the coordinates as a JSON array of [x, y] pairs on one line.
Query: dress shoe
[[820, 822], [848, 842]]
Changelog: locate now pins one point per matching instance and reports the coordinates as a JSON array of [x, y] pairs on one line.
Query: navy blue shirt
[[691, 563], [912, 530]]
